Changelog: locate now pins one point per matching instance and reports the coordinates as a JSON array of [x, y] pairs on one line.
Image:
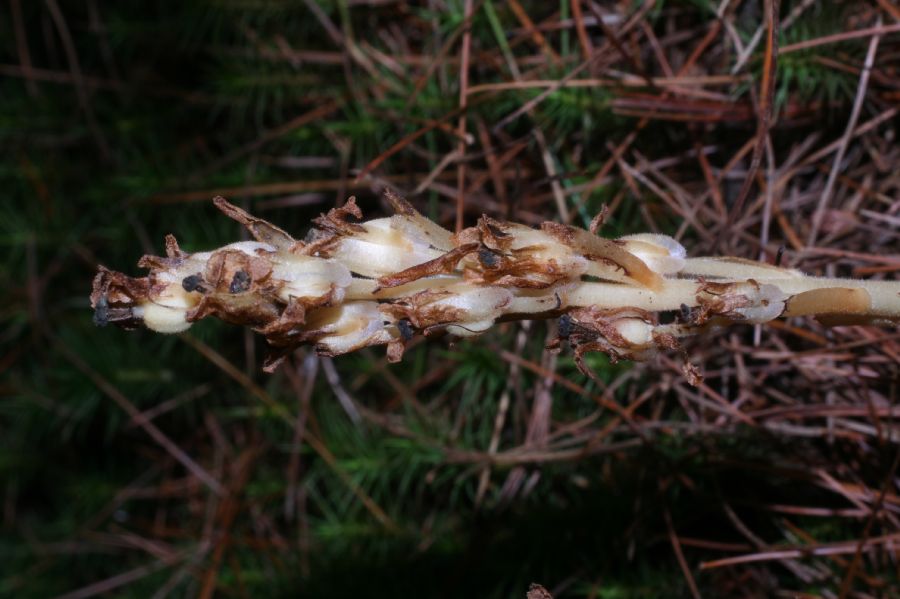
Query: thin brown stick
[[538, 38], [845, 140], [587, 48], [151, 429], [65, 36], [842, 548], [15, 7], [679, 554], [847, 582], [766, 107], [465, 53], [318, 446], [878, 30]]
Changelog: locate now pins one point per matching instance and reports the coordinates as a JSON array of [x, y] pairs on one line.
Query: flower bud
[[162, 319], [348, 327], [382, 249], [767, 302], [165, 309], [169, 299], [473, 309], [308, 277], [635, 331], [661, 253], [548, 250]]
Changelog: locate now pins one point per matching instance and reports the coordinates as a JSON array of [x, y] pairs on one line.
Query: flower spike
[[354, 284]]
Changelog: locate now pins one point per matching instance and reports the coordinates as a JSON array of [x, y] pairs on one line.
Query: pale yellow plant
[[350, 285]]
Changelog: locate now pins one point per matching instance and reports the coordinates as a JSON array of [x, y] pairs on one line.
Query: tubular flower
[[354, 284]]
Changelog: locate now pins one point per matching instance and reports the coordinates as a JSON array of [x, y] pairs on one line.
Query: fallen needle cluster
[[350, 285]]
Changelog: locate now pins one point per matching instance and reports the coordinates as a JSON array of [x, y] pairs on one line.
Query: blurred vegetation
[[132, 103]]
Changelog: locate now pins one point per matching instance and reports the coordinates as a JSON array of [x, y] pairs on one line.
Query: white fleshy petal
[[479, 303], [661, 253], [635, 330], [351, 326], [376, 259], [309, 277], [768, 304], [163, 319]]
